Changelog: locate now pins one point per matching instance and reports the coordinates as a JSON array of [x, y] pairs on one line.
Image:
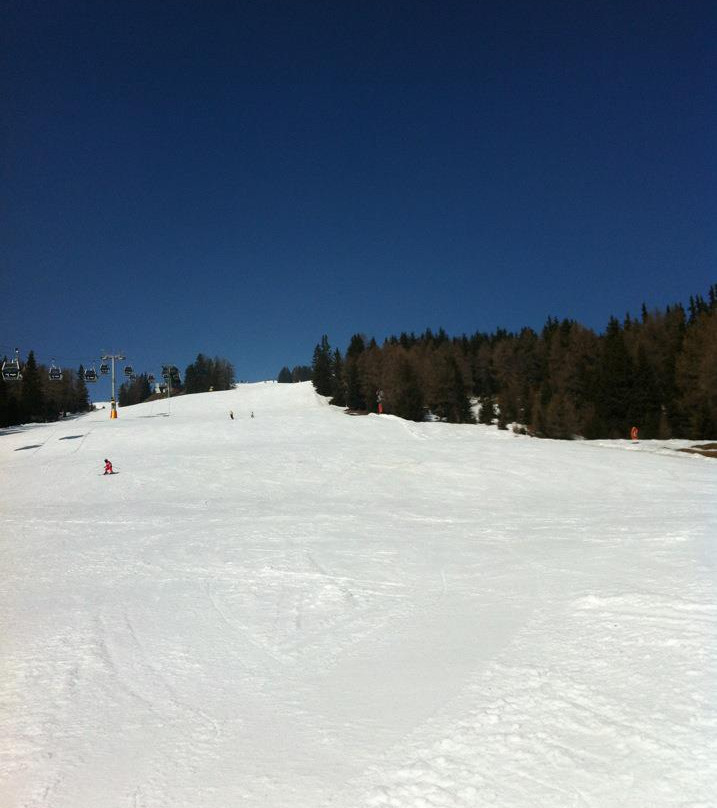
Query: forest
[[36, 397], [47, 394], [656, 372]]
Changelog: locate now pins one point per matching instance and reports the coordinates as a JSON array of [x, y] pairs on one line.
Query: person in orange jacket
[[108, 467]]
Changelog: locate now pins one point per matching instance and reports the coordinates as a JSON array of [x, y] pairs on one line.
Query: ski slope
[[305, 609]]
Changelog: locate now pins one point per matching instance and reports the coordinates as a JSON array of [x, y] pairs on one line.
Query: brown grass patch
[[704, 449]]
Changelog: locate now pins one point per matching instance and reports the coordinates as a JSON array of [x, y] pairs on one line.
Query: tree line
[[201, 376], [37, 398], [299, 373], [657, 371]]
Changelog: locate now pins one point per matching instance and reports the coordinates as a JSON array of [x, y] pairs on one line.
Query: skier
[[108, 467], [231, 414]]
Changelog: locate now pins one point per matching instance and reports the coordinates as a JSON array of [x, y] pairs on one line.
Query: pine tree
[[646, 405], [338, 391], [615, 402], [284, 376], [32, 399], [487, 410], [9, 403], [696, 373], [355, 399], [321, 368], [197, 376], [301, 373], [221, 374], [406, 397], [81, 397]]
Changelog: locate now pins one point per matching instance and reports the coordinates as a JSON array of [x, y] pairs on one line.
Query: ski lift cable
[[63, 362]]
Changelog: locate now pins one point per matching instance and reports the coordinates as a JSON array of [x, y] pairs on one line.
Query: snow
[[307, 609]]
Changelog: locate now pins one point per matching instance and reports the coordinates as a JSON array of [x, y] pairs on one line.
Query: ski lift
[[104, 368], [170, 373], [55, 373], [151, 378], [11, 368], [90, 375], [129, 370]]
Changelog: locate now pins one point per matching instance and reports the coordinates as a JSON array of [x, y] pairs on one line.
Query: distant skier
[[231, 414], [108, 467], [252, 413]]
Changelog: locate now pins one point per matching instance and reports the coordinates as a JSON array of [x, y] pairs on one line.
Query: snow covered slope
[[307, 609]]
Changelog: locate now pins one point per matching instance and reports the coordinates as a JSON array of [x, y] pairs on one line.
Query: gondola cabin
[[11, 370], [128, 371], [91, 375], [55, 374], [104, 368]]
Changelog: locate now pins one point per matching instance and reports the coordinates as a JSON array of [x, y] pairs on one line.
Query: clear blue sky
[[239, 178]]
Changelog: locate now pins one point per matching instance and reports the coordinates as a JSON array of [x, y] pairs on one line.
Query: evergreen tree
[[696, 373], [9, 403], [615, 404], [402, 390], [60, 395], [657, 372], [355, 399], [338, 392], [370, 363], [221, 374], [81, 401], [448, 398], [205, 374], [32, 398], [646, 405], [284, 376], [321, 368], [301, 373], [487, 410], [197, 376]]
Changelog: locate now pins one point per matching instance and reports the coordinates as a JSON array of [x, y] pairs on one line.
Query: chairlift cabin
[[104, 368], [11, 369], [55, 373], [151, 378], [91, 375], [129, 370]]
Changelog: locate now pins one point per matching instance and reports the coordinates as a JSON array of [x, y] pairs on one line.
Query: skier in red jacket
[[108, 467]]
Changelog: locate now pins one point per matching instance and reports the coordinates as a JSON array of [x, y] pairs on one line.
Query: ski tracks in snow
[[551, 733]]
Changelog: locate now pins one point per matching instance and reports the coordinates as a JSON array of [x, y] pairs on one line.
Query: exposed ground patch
[[705, 449]]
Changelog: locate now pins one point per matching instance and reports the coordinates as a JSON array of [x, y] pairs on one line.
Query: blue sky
[[239, 178]]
